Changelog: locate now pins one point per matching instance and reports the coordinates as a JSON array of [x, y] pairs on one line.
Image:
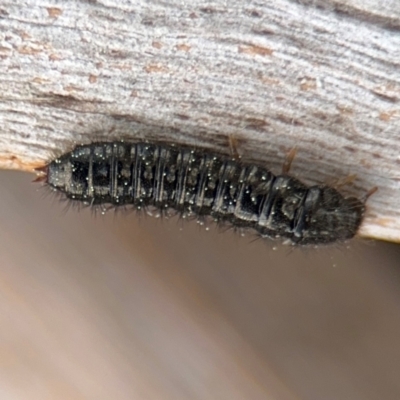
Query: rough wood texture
[[320, 75]]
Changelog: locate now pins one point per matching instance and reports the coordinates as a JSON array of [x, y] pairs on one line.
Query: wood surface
[[96, 309], [322, 76]]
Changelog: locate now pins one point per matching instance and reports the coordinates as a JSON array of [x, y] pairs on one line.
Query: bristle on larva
[[198, 183]]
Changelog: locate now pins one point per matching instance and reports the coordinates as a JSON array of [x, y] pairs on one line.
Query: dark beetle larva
[[198, 183]]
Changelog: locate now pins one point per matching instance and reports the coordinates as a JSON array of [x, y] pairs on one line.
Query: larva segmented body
[[199, 183]]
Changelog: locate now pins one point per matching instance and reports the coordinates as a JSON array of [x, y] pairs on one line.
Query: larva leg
[[370, 193], [288, 161], [233, 147], [340, 182]]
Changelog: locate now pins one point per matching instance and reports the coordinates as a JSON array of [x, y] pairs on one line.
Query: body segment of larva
[[198, 183]]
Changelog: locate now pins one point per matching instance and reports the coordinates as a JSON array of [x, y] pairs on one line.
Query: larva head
[[69, 177], [326, 216], [58, 173], [84, 174]]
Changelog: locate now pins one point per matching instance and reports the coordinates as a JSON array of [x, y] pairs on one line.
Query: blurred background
[[127, 307]]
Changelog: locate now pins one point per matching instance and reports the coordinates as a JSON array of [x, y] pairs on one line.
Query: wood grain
[[319, 75]]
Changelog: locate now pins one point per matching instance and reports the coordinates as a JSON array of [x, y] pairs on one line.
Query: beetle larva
[[198, 183]]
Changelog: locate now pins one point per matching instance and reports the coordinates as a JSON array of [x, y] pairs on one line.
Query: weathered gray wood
[[320, 75]]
